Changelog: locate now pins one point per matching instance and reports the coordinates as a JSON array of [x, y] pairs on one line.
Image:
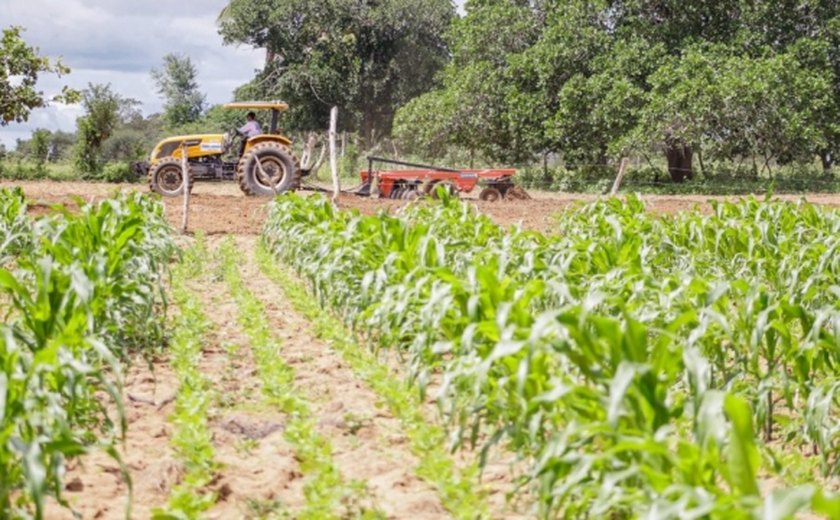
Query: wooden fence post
[[185, 185], [333, 159]]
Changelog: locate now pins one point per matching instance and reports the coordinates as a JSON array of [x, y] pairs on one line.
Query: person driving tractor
[[250, 129]]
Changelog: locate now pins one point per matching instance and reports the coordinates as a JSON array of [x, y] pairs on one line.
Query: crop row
[[641, 366], [77, 291]]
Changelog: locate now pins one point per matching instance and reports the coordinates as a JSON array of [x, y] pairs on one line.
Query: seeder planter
[[411, 184]]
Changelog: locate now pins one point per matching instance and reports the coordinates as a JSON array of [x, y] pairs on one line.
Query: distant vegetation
[[699, 95]]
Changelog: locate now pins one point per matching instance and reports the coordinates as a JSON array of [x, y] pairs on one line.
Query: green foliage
[[177, 85], [367, 58], [718, 178], [40, 146], [23, 63], [596, 80], [118, 172], [632, 362], [105, 110], [766, 107], [86, 154]]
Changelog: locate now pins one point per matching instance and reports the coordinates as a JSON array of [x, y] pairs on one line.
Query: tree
[[40, 145], [367, 58], [767, 108], [593, 80], [104, 111], [472, 110], [20, 66], [177, 85]]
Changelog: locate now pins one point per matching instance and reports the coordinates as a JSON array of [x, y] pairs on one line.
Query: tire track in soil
[[368, 442], [259, 473]]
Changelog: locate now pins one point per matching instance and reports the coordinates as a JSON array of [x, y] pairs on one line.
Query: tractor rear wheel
[[268, 169], [167, 178]]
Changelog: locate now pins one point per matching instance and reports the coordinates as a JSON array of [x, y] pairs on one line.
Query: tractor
[[263, 164]]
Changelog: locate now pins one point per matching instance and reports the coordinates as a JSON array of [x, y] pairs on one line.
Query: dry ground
[[220, 208]]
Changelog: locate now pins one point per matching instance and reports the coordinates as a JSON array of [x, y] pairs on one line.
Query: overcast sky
[[119, 42]]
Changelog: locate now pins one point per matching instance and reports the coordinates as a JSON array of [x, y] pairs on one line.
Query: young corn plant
[[628, 359], [65, 301], [460, 491], [191, 438], [327, 493]]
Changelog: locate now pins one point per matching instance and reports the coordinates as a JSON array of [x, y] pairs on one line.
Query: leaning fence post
[[619, 177], [185, 185]]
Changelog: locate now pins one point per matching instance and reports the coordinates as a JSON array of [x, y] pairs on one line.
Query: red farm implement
[[425, 179]]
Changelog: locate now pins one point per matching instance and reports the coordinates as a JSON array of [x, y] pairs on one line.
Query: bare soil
[[221, 208], [94, 485]]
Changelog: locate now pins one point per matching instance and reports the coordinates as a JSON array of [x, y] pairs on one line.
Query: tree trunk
[[679, 157], [827, 161], [269, 56]]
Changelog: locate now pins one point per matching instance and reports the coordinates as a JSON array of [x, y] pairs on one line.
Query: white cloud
[[119, 42]]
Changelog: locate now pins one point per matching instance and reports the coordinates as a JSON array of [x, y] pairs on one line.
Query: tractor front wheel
[[167, 178], [268, 169]]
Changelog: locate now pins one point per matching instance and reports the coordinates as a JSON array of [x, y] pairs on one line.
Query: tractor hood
[[198, 145]]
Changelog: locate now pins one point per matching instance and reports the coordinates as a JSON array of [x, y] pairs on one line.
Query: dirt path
[[259, 473], [368, 444]]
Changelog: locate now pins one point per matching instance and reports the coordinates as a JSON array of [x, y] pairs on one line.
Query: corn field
[[422, 364]]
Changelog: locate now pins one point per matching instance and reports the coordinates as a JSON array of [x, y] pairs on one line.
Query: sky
[[120, 42]]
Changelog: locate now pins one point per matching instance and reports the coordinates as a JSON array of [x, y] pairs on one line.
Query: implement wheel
[[490, 195], [167, 178], [432, 189], [268, 169], [517, 193]]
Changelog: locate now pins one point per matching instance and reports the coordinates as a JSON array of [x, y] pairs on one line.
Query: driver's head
[[251, 116]]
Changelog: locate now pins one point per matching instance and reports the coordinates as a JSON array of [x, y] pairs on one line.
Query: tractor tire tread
[[241, 174]]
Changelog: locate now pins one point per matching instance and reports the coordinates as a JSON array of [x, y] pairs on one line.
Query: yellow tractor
[[263, 164]]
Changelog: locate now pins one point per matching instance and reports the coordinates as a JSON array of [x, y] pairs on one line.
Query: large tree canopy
[[595, 79], [20, 66], [366, 57]]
